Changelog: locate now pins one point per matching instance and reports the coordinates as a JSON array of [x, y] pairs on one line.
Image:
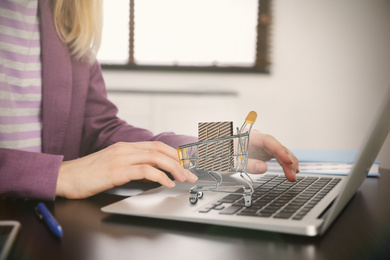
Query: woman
[[77, 147]]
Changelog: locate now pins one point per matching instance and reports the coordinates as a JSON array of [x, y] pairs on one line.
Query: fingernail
[[261, 167], [171, 183], [192, 176], [294, 175]]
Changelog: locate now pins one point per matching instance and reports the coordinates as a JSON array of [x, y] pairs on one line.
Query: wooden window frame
[[262, 62]]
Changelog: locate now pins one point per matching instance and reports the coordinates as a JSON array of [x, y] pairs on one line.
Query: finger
[[289, 173], [256, 166], [172, 153], [128, 150], [139, 172], [162, 161], [125, 147], [285, 158], [289, 164], [158, 146]]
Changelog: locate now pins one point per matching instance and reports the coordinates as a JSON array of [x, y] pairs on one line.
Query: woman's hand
[[119, 164], [263, 147]]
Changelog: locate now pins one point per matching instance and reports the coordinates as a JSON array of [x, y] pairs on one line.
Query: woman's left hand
[[263, 147]]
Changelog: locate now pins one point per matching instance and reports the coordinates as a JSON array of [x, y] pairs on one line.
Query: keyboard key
[[230, 198], [205, 210], [289, 210], [268, 211], [264, 214], [248, 212], [298, 216], [230, 210], [283, 215]]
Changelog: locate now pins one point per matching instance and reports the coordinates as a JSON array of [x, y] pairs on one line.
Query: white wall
[[331, 68]]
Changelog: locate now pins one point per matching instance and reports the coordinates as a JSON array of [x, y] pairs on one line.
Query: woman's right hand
[[119, 164]]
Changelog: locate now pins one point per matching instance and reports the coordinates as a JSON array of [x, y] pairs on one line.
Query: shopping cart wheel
[[200, 194], [248, 201], [193, 200], [193, 197], [247, 196]]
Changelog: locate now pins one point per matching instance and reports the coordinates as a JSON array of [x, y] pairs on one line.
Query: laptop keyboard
[[276, 197]]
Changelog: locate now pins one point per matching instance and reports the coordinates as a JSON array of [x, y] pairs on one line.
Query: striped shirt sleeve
[[20, 76]]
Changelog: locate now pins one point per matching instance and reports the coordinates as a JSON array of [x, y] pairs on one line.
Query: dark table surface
[[362, 231]]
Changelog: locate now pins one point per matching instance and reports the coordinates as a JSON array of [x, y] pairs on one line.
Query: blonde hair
[[79, 24]]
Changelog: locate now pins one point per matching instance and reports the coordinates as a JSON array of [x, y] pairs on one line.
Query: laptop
[[307, 207]]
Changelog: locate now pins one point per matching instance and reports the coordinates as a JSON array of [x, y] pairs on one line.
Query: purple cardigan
[[78, 119]]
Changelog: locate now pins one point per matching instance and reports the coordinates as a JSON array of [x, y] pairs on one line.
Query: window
[[187, 35]]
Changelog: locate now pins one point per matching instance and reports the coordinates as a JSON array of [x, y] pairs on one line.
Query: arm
[[114, 153], [28, 174]]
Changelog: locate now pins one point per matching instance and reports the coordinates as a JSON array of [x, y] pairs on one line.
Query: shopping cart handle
[[251, 117]]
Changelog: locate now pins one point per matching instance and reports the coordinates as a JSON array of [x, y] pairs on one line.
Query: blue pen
[[45, 215]]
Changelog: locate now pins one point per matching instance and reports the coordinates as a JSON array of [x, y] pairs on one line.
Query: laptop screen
[[365, 159]]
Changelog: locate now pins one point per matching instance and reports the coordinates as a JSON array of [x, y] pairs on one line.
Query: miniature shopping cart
[[218, 156]]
